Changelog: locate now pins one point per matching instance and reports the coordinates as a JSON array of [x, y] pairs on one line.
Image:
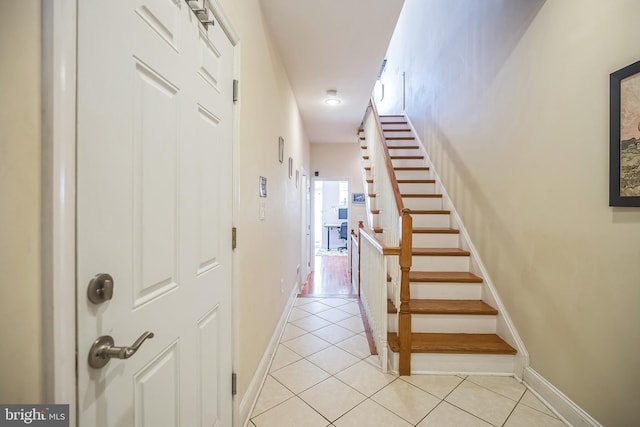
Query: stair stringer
[[505, 327]]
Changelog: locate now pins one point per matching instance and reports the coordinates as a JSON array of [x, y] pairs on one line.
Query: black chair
[[342, 234]]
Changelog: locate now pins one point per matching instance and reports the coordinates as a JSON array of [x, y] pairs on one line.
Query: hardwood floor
[[330, 278]]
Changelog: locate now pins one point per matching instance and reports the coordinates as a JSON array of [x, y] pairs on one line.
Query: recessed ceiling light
[[332, 98]]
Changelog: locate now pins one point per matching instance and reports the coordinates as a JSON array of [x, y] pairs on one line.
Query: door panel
[[162, 373], [154, 196], [155, 185]]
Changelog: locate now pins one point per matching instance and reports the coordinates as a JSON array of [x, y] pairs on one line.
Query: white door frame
[[305, 215], [58, 269], [313, 210]]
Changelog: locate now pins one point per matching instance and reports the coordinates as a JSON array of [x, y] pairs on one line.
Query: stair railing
[[373, 283], [396, 222]]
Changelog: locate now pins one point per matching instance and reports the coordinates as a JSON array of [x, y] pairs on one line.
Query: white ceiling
[[332, 44]]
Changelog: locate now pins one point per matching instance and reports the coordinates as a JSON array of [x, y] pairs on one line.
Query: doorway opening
[[331, 217], [330, 224]]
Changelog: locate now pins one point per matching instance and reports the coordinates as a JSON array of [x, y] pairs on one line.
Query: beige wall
[[340, 161], [512, 102], [269, 250], [20, 357]]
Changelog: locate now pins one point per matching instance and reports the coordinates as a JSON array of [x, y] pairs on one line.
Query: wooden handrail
[[387, 159], [377, 244], [404, 251]]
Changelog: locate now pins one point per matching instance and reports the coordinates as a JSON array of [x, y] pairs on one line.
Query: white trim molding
[[59, 202], [255, 386], [557, 401]]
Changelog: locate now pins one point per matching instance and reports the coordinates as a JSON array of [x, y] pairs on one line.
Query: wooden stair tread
[[406, 157], [432, 230], [443, 276], [439, 252], [416, 181], [440, 306], [375, 211], [397, 122], [424, 195], [391, 308], [378, 229], [411, 168], [402, 147], [397, 130], [369, 181], [429, 212], [400, 138], [453, 343]]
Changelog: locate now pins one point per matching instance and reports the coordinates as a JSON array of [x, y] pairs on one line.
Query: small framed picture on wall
[[357, 198]]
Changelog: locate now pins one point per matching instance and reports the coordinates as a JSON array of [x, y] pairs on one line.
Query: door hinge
[[233, 237], [235, 90], [234, 383]]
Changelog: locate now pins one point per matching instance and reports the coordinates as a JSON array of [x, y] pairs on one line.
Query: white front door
[[154, 129]]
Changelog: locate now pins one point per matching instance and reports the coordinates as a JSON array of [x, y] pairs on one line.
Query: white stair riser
[[453, 323], [417, 188], [435, 240], [369, 188], [389, 127], [376, 220], [431, 220], [373, 201], [365, 163], [425, 363], [408, 162], [423, 203], [400, 142], [404, 151], [397, 130], [392, 322], [419, 174], [440, 263], [471, 291]]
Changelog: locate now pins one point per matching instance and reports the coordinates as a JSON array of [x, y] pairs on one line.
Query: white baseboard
[[255, 386], [557, 401]]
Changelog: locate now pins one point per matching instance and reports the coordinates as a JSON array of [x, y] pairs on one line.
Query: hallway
[[323, 374]]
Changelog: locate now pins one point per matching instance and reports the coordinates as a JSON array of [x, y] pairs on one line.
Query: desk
[[329, 227]]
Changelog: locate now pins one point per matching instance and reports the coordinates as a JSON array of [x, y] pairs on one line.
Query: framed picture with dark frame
[[624, 137]]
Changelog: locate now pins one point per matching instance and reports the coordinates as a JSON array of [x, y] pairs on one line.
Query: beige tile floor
[[323, 375]]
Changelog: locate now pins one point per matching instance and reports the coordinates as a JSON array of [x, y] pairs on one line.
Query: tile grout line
[[362, 356]]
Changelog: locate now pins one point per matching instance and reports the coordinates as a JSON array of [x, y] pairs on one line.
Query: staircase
[[454, 319]]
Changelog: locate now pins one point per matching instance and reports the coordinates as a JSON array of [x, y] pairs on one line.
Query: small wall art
[[280, 149], [357, 198], [262, 187]]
